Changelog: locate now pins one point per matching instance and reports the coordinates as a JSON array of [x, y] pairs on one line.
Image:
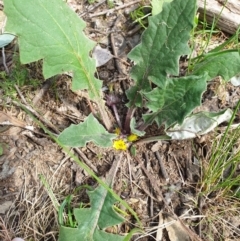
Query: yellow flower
[[132, 137], [120, 145]]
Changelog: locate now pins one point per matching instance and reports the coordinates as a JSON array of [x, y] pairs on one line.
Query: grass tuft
[[219, 188]]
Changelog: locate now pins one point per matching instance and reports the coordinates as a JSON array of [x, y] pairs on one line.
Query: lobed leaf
[[225, 64], [51, 31], [92, 221], [89, 130], [175, 100], [157, 6], [164, 41]]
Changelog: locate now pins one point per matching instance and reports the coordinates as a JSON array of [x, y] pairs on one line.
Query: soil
[[160, 182]]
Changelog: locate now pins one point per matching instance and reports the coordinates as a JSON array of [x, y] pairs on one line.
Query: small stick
[[29, 108], [4, 61], [148, 164], [130, 172], [134, 30], [115, 54], [156, 189], [199, 226], [21, 95], [56, 131], [180, 173], [151, 206], [87, 161], [117, 116], [163, 170], [153, 184], [114, 9], [113, 170], [42, 91], [4, 229], [60, 165], [92, 8]]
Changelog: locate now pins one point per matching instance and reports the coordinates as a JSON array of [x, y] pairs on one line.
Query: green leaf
[[92, 221], [157, 6], [225, 64], [134, 129], [164, 41], [51, 31], [89, 130], [176, 100]]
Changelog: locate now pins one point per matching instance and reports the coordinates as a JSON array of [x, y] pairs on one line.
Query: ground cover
[[161, 182]]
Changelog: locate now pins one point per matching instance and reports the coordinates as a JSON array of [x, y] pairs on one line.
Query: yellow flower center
[[120, 145]]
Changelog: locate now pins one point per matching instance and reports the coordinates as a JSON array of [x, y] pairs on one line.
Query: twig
[[83, 94], [151, 207], [193, 235], [156, 188], [113, 170], [148, 165], [21, 95], [133, 31], [4, 230], [199, 226], [115, 111], [86, 160], [114, 9], [41, 118], [4, 61], [130, 172], [180, 173], [163, 170], [42, 91], [92, 8], [115, 53], [60, 165], [57, 132]]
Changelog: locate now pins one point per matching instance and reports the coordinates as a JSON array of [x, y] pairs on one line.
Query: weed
[[157, 84], [140, 16], [19, 75], [165, 97], [219, 175], [220, 183]]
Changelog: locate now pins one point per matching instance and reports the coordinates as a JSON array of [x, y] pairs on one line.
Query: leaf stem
[[104, 115], [153, 138], [144, 125], [128, 118], [117, 116]]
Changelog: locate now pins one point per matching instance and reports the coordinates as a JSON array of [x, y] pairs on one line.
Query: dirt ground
[[159, 183]]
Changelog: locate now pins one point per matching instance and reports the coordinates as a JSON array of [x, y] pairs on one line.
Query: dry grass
[[219, 202], [33, 215]]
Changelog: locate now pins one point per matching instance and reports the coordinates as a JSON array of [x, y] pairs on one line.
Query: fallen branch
[[225, 12]]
